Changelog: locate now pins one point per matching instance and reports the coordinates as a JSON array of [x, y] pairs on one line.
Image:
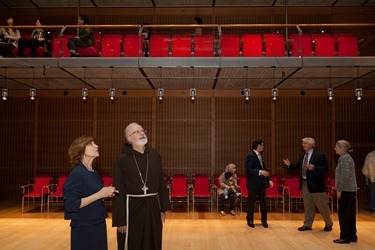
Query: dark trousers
[[253, 194], [77, 42], [232, 201], [120, 240], [33, 44], [347, 218]]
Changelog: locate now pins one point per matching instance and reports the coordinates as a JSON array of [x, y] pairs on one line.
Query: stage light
[[275, 93], [85, 93], [112, 93], [5, 94], [246, 94], [330, 94], [32, 93], [160, 94], [193, 93], [358, 93]]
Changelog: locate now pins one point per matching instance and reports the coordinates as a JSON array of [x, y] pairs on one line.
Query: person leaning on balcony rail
[[84, 39]]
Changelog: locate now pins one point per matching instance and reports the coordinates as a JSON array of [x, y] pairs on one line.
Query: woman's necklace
[[144, 188]]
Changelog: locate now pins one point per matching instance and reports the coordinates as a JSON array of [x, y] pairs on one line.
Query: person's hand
[[286, 162], [271, 184], [163, 217], [107, 192], [122, 229], [310, 167], [338, 194], [264, 173]]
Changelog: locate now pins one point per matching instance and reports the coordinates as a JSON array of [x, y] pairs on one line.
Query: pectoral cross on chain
[[145, 189]]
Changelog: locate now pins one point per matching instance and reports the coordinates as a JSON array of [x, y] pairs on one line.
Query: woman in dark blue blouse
[[83, 197]]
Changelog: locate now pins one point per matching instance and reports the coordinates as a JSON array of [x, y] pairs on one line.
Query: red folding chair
[[273, 193], [179, 191], [292, 190], [242, 179], [252, 45], [38, 190], [203, 46], [56, 191], [181, 45], [202, 190], [229, 45]]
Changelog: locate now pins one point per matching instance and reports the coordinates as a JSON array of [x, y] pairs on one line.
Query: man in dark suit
[[257, 182], [312, 166]]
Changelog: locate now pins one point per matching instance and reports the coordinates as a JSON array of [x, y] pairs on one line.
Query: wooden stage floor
[[197, 230]]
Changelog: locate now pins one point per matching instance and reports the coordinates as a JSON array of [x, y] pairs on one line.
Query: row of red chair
[[43, 188], [229, 45]]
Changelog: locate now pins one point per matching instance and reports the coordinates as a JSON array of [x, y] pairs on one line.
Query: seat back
[[274, 45], [325, 46], [201, 184], [203, 46], [179, 186], [133, 46], [272, 190], [60, 44], [111, 45], [292, 187], [242, 182], [159, 45], [229, 45], [332, 184], [302, 46], [181, 45], [60, 184], [347, 46], [39, 183], [252, 45], [107, 181]]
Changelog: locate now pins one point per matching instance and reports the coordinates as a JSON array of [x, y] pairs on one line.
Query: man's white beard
[[141, 142]]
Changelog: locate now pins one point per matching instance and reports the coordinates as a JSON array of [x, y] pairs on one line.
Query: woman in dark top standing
[[83, 197]]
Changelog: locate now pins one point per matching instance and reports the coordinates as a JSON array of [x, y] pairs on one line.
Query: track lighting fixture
[[358, 93], [330, 94], [246, 94], [85, 93], [160, 93], [32, 94], [5, 94], [193, 93], [330, 89], [112, 94], [275, 93]]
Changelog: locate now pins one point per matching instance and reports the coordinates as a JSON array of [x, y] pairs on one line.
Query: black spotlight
[[66, 93], [302, 93], [124, 92]]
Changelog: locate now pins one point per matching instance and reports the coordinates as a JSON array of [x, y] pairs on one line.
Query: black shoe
[[250, 224], [265, 225], [304, 228], [327, 228], [353, 239], [341, 241]]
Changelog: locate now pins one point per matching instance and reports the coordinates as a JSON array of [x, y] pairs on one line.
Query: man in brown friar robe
[[140, 206]]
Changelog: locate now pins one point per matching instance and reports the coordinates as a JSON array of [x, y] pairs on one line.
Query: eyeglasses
[[138, 132]]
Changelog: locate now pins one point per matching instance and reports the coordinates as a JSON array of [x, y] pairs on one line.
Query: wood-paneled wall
[[199, 137]]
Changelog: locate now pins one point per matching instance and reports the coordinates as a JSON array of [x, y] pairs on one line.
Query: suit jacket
[[254, 180], [315, 178]]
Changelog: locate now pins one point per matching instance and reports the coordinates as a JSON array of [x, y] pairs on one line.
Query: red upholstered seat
[[159, 45], [302, 46], [203, 46], [229, 45], [325, 46], [179, 191], [347, 46], [133, 45], [252, 45], [181, 45], [202, 189], [112, 45], [274, 45], [60, 48], [38, 190], [58, 191]]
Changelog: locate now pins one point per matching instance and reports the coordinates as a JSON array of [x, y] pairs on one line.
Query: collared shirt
[[309, 154]]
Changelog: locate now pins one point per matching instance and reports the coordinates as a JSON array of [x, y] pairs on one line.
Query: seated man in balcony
[[8, 39], [84, 39]]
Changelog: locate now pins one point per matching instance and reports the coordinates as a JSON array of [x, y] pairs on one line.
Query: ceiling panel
[[350, 2], [305, 2], [183, 3], [62, 3], [123, 3], [268, 3]]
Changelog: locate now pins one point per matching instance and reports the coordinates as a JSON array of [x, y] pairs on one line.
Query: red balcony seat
[[203, 46], [252, 45], [181, 45]]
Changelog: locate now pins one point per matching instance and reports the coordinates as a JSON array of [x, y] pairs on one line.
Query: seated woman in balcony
[[8, 38], [85, 36]]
